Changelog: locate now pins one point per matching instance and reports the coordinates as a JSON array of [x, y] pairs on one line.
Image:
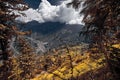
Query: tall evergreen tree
[[7, 32], [27, 59], [102, 23]]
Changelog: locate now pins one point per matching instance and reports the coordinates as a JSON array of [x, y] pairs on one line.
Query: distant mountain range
[[54, 33], [57, 32]]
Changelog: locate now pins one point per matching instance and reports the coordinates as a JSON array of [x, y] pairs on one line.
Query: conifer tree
[[27, 59], [102, 23], [8, 30]]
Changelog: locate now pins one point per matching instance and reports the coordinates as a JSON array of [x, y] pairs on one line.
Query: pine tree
[[102, 24], [7, 32], [27, 59]]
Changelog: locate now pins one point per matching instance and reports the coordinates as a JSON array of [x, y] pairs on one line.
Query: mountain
[[50, 22], [54, 33]]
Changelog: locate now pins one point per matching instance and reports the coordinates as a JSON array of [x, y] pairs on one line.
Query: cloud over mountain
[[51, 13]]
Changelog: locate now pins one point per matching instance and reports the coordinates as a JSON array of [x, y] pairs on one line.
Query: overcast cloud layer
[[47, 12]]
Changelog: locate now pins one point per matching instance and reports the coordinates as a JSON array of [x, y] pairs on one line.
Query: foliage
[[8, 30], [7, 26], [81, 64], [102, 24], [27, 60]]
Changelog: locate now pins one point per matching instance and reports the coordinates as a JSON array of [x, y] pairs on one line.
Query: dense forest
[[97, 60]]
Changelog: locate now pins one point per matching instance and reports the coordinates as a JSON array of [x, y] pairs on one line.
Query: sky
[[35, 3], [50, 11]]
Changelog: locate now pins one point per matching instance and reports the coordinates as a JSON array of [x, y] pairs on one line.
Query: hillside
[[56, 35], [71, 64]]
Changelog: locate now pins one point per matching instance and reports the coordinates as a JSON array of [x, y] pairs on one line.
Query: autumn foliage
[[102, 26], [98, 62]]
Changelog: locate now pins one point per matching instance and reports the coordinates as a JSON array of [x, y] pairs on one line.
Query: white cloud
[[47, 12]]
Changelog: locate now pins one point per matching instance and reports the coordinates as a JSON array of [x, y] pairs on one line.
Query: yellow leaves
[[15, 71], [57, 72], [65, 71], [87, 65], [44, 76], [116, 46], [50, 76]]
